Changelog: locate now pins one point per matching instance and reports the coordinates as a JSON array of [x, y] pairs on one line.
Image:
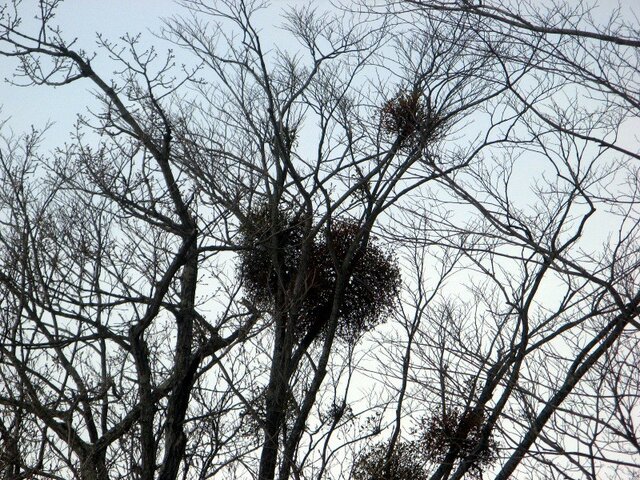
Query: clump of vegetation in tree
[[406, 462], [411, 119], [461, 431], [271, 257], [436, 436]]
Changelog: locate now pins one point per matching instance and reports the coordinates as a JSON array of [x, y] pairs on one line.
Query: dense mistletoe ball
[[265, 240], [462, 431], [405, 463], [411, 119], [435, 436], [272, 243]]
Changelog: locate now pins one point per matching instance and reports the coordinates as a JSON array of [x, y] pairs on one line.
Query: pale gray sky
[[82, 19]]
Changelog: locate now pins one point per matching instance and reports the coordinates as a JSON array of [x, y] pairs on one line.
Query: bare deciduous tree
[[196, 284]]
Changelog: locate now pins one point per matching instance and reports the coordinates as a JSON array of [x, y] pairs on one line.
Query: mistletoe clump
[[271, 259], [411, 119], [435, 436], [461, 431], [404, 463], [268, 239]]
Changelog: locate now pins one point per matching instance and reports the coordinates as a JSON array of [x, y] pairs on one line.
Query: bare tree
[[195, 285], [546, 302]]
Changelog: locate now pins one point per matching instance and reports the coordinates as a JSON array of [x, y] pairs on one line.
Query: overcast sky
[[83, 19], [113, 18]]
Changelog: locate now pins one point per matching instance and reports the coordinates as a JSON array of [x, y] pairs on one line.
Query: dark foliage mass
[[412, 120], [272, 257], [405, 463], [460, 431], [435, 437]]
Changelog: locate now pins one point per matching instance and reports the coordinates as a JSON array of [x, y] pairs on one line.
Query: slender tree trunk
[[579, 368], [276, 401], [147, 441], [175, 439]]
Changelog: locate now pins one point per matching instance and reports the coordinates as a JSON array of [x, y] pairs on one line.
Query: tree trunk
[[175, 440]]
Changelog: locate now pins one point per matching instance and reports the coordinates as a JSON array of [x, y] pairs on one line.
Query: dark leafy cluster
[[461, 431], [410, 119], [435, 436], [271, 259], [405, 463], [268, 239]]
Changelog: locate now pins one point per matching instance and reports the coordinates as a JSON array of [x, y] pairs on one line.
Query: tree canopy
[[395, 240]]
